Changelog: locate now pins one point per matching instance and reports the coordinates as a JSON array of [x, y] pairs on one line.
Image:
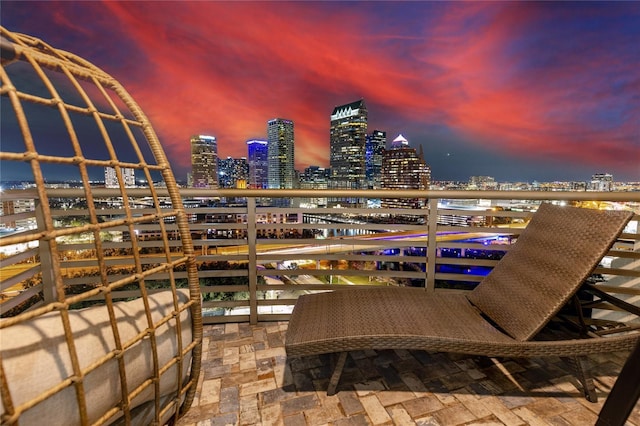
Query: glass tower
[[347, 146], [233, 172], [374, 148], [404, 168], [258, 157], [204, 161], [280, 152]]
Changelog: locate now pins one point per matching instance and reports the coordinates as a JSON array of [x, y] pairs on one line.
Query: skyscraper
[[233, 172], [347, 145], [204, 161], [258, 157], [281, 155], [314, 177], [403, 168], [374, 148]]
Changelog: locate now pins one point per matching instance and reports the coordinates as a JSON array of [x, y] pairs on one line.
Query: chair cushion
[[36, 358]]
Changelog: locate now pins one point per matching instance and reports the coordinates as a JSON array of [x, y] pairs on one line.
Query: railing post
[[432, 238], [253, 260], [49, 292]]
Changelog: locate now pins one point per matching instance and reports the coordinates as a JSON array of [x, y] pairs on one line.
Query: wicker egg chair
[[113, 335]]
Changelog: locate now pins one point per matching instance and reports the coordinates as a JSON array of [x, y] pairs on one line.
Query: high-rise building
[[281, 155], [374, 148], [111, 178], [347, 146], [258, 157], [314, 177], [233, 172], [404, 168], [204, 161]]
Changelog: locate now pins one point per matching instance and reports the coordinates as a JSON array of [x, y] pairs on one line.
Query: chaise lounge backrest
[[552, 257]]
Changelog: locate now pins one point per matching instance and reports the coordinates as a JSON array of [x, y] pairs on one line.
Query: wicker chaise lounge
[[501, 317]]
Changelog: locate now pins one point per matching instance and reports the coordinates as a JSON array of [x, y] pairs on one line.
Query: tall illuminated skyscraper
[[280, 152], [258, 158], [347, 146], [204, 161], [404, 168], [374, 148]]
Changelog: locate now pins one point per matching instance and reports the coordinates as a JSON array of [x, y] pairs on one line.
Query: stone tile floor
[[247, 380]]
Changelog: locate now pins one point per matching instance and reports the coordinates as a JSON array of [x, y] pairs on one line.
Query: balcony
[[254, 260]]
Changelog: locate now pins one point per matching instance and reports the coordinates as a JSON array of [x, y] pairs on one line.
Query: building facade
[[404, 168], [15, 207], [258, 159], [204, 161], [483, 183], [375, 144], [280, 141], [601, 182], [347, 146], [233, 173], [314, 177], [111, 178]]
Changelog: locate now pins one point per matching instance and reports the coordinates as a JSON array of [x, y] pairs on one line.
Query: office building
[[347, 146], [233, 173], [280, 140], [204, 161], [404, 168], [375, 144], [314, 177], [601, 182], [258, 159], [111, 178]]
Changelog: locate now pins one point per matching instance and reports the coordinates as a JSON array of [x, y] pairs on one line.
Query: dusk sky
[[521, 91]]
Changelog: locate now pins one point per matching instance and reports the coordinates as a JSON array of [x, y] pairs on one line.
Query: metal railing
[[257, 254]]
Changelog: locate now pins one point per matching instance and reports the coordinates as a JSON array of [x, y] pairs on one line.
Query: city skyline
[[520, 91]]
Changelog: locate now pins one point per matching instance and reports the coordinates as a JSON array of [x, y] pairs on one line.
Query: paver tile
[[247, 380]]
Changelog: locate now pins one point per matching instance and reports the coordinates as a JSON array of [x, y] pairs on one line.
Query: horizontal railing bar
[[458, 277], [618, 196], [19, 257], [19, 277], [22, 297], [8, 218], [619, 289], [270, 258], [225, 303], [618, 271], [223, 288]]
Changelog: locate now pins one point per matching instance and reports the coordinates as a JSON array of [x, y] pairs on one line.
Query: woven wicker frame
[[107, 105]]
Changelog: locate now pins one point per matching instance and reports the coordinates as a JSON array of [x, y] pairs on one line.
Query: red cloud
[[227, 68]]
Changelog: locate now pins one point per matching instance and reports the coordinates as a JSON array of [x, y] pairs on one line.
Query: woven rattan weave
[[136, 361], [558, 250]]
